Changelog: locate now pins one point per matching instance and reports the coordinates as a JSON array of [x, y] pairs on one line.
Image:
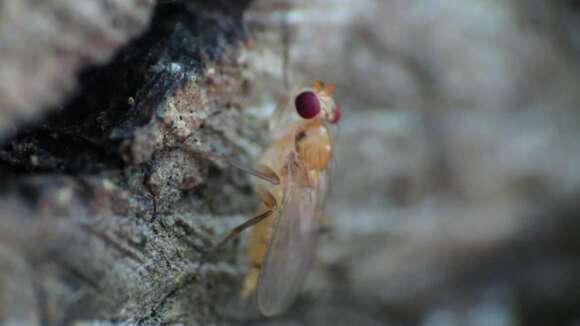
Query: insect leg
[[266, 174], [238, 229]]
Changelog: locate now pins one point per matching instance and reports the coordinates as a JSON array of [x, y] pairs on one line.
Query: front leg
[[263, 173]]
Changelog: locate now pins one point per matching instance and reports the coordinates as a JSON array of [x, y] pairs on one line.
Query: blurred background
[[455, 185]]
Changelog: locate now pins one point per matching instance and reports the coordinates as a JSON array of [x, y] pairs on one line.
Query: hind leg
[[238, 229]]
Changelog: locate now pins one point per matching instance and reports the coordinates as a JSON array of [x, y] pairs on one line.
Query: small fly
[[292, 186]]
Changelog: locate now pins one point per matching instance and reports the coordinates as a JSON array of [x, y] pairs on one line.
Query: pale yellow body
[[310, 141]]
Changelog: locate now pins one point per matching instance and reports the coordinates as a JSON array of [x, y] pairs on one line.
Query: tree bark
[[110, 208]]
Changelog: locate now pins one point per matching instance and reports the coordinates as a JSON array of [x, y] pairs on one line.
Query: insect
[[292, 187]]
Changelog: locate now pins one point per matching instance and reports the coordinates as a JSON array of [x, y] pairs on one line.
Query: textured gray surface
[[45, 44], [454, 190], [109, 207]]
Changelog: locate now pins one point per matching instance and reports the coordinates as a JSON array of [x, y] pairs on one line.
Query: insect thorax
[[313, 145]]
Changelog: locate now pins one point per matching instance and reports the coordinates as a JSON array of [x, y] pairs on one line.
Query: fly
[[292, 186]]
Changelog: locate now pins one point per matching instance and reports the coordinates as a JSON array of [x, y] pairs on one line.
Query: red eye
[[337, 114], [307, 105]]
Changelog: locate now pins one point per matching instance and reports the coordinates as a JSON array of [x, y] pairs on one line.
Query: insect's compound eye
[[337, 114], [307, 105]]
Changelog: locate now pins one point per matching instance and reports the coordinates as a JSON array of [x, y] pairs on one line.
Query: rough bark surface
[[455, 186], [109, 207]]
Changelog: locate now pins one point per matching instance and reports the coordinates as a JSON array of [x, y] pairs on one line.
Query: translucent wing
[[293, 243]]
